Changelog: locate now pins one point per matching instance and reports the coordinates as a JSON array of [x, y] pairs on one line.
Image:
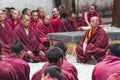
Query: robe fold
[[65, 26], [110, 65], [65, 74], [42, 32], [7, 71], [97, 46], [55, 23], [115, 76], [6, 38], [21, 67], [30, 41]]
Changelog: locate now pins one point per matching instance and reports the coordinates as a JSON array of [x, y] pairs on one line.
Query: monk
[[28, 37], [34, 21], [115, 76], [55, 57], [91, 13], [43, 29], [63, 12], [15, 59], [41, 13], [15, 19], [55, 21], [5, 34], [26, 11], [68, 24], [93, 44], [110, 65]]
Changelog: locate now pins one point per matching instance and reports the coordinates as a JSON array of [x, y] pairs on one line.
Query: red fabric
[[65, 74], [31, 41], [12, 23], [33, 25], [115, 76], [65, 26], [7, 72], [55, 23], [6, 38], [97, 45], [80, 23], [92, 15], [104, 69], [21, 67]]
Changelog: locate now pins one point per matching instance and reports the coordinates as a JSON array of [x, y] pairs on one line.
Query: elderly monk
[[43, 29], [55, 57], [41, 13], [91, 13], [55, 21], [93, 44], [5, 33], [15, 59], [110, 65], [28, 37], [15, 19], [68, 24], [34, 21]]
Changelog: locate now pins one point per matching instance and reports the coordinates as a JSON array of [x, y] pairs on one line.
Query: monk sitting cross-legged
[[93, 44]]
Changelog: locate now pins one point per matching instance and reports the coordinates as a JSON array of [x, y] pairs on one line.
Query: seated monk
[[15, 19], [34, 21], [63, 12], [5, 34], [93, 44], [52, 73], [21, 67], [33, 47], [55, 21], [68, 24], [41, 13], [91, 13], [110, 65], [55, 57], [7, 71], [43, 29]]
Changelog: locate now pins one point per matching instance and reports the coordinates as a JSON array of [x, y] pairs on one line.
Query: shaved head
[[95, 21], [95, 18], [47, 20], [15, 14]]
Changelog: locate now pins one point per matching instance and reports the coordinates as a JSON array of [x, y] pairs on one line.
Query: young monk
[[35, 50], [55, 57], [110, 65], [21, 67], [93, 43]]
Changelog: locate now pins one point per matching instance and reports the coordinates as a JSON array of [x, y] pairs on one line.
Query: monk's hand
[[42, 54], [30, 54], [45, 77]]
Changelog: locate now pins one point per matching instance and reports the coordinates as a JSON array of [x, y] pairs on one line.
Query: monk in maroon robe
[[14, 20], [15, 59], [68, 24], [63, 12], [5, 34], [26, 11], [55, 57], [34, 21], [41, 13], [91, 13], [93, 44], [28, 37], [110, 65], [55, 21], [43, 29]]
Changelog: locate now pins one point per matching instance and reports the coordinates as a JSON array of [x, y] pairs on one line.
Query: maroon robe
[[42, 31], [30, 41], [55, 23], [12, 23], [115, 76], [65, 74], [6, 38], [80, 23], [21, 67], [65, 26], [97, 46], [110, 65], [7, 71]]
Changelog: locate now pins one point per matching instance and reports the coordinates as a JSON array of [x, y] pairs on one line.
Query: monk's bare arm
[[86, 18]]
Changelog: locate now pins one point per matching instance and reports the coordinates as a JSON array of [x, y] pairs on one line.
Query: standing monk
[[68, 24], [91, 13], [43, 29], [27, 36], [5, 33], [55, 22], [94, 42]]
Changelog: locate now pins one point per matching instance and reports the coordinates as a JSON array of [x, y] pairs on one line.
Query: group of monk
[[23, 38]]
